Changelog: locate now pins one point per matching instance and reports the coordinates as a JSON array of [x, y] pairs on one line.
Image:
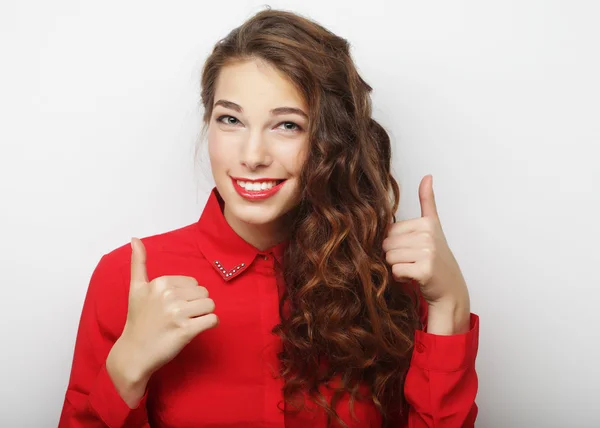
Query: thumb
[[427, 198], [138, 261]]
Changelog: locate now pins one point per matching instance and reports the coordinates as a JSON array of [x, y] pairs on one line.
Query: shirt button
[[420, 348], [266, 257]]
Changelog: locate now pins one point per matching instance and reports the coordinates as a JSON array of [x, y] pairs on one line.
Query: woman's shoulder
[[165, 249], [172, 243]]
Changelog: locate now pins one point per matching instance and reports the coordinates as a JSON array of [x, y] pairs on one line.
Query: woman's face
[[257, 135]]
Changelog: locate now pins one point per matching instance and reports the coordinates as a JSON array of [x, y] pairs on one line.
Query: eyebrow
[[275, 112]]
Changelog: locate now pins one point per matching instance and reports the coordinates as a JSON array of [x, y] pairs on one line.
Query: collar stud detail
[[231, 272]]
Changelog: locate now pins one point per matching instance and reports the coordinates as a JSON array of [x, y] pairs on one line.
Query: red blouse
[[224, 376]]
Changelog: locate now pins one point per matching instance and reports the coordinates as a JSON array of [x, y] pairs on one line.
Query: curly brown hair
[[342, 315]]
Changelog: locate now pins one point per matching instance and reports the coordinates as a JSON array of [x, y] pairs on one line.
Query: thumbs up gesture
[[164, 314], [417, 250]]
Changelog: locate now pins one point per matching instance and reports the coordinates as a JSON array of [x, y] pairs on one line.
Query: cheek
[[294, 156], [215, 147]]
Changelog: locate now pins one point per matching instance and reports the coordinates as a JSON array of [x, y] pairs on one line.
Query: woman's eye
[[291, 126], [230, 120]]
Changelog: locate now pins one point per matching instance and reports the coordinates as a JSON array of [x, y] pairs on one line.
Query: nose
[[255, 152]]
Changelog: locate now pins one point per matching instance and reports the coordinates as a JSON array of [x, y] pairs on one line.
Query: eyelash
[[297, 129]]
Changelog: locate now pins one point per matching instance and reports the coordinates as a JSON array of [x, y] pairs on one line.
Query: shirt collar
[[226, 251]]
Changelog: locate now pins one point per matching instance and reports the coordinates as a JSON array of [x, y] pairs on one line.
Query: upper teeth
[[256, 186]]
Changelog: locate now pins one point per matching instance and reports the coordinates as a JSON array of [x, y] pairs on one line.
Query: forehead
[[255, 84]]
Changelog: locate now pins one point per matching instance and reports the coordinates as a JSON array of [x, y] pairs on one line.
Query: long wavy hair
[[342, 315]]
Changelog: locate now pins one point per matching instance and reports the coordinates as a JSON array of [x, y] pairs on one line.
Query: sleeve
[[441, 383], [91, 399]]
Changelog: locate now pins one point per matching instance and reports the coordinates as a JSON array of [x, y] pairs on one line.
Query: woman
[[296, 300]]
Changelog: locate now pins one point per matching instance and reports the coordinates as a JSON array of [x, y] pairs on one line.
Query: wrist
[[127, 373], [449, 316], [131, 360]]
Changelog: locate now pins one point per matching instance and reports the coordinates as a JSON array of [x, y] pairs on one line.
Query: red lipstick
[[256, 195]]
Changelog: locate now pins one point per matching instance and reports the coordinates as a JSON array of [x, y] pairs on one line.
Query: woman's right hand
[[163, 316]]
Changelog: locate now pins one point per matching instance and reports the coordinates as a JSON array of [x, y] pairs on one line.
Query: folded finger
[[404, 255], [196, 308]]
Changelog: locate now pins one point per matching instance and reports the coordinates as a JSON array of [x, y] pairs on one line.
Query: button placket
[[264, 264], [231, 272]]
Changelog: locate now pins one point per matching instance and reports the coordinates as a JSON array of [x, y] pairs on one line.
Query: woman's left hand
[[417, 249]]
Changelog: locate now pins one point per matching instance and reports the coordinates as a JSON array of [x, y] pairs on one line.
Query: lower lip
[[258, 194]]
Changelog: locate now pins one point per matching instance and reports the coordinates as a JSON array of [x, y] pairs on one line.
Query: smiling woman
[[293, 301]]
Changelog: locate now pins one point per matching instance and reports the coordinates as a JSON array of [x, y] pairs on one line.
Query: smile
[[257, 190], [256, 186]]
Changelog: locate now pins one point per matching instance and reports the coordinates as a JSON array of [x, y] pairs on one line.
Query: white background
[[500, 101]]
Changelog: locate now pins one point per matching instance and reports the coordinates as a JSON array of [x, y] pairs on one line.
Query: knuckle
[[428, 250], [173, 311], [210, 303], [388, 257], [184, 323], [212, 320], [391, 243], [160, 283], [203, 291], [427, 237], [166, 293]]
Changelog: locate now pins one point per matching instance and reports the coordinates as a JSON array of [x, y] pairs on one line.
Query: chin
[[252, 213]]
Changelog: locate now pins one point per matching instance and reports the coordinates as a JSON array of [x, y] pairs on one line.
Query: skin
[[246, 140], [417, 249]]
